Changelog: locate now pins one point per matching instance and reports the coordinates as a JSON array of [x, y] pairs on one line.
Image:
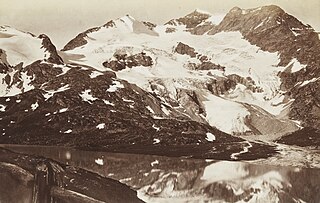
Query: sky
[[62, 20]]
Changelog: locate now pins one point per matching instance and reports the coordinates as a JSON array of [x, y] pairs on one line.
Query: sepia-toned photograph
[[171, 101]]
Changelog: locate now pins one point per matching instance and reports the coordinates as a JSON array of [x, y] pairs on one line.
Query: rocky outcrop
[[248, 82], [204, 61], [80, 40], [202, 29], [191, 20], [221, 86], [183, 49], [49, 47], [123, 60], [4, 65]]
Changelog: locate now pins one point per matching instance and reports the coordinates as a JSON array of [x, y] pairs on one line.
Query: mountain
[[76, 105], [297, 45], [17, 50], [201, 85], [203, 78]]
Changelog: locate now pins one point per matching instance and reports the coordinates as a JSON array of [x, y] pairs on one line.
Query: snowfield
[[20, 46]]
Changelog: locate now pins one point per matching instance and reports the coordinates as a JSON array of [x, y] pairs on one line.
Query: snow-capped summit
[[198, 10], [121, 27]]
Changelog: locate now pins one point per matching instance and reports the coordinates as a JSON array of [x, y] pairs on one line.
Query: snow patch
[[115, 85], [68, 131], [95, 74], [150, 109], [156, 141], [50, 93], [296, 65], [101, 126], [210, 137], [87, 97], [34, 106], [127, 100], [309, 81], [26, 79], [63, 110], [156, 162], [155, 127], [2, 108], [64, 69], [108, 103], [165, 110], [99, 161]]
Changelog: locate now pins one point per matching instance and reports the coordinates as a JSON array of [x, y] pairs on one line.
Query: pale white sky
[[62, 20]]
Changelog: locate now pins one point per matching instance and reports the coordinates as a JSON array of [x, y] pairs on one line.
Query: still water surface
[[163, 179]]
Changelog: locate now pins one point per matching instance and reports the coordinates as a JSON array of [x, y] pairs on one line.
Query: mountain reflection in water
[[163, 179]]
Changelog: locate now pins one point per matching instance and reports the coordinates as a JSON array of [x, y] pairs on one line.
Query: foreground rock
[[39, 179]]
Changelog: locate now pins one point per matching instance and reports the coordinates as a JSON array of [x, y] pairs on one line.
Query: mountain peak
[[271, 9], [199, 11], [192, 19], [127, 17]]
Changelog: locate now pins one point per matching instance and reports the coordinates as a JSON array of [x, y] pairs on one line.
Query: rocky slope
[[76, 106]]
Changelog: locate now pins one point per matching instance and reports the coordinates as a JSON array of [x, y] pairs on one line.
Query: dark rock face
[[191, 20], [150, 25], [47, 44], [201, 29], [221, 86], [205, 62], [248, 82], [4, 65], [43, 180], [185, 49], [122, 61], [80, 40]]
